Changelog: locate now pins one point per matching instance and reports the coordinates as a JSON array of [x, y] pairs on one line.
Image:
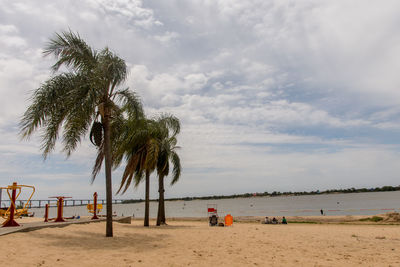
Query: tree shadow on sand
[[166, 227], [94, 241]]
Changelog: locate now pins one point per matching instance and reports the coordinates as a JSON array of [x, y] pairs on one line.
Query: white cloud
[[130, 9], [253, 82]]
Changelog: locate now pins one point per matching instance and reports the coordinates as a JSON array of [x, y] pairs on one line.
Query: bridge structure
[[41, 203]]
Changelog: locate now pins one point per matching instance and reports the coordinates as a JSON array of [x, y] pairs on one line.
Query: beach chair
[[212, 214]]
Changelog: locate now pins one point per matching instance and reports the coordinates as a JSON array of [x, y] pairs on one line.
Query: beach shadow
[[166, 227], [94, 241]]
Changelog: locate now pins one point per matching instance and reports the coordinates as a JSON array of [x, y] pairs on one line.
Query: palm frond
[[112, 67], [79, 118], [139, 176], [51, 103], [129, 171], [153, 149], [130, 103], [176, 171], [71, 50], [170, 122], [98, 162]]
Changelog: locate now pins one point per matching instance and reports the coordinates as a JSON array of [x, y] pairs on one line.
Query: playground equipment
[[94, 208], [212, 214], [60, 208], [12, 210], [46, 213]]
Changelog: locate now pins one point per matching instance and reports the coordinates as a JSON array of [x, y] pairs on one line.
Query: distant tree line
[[277, 193]]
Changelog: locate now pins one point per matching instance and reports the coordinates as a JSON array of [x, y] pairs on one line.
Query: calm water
[[334, 204]]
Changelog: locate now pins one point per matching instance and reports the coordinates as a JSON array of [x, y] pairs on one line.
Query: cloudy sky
[[272, 94]]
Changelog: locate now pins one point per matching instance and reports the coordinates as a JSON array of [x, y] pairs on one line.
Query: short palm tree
[[167, 153], [141, 146], [140, 149], [74, 99]]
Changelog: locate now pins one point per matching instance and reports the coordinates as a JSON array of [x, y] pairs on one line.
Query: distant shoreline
[[277, 193]]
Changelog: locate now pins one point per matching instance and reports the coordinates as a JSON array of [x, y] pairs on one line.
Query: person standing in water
[[322, 212]]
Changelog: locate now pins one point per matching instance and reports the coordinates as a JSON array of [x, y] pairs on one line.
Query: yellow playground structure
[[90, 208], [13, 192]]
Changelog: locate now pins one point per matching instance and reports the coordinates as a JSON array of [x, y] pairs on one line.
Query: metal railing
[[41, 203]]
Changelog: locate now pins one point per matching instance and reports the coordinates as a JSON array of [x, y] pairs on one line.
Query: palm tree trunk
[[163, 220], [107, 155], [147, 202], [161, 207]]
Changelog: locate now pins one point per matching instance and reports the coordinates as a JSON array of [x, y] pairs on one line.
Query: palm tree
[[143, 144], [167, 153], [140, 149], [74, 100]]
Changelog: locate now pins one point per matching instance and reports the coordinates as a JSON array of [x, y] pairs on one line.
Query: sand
[[194, 243]]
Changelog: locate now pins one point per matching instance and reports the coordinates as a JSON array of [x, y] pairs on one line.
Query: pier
[[41, 203]]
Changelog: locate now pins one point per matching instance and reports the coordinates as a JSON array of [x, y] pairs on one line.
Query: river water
[[370, 203]]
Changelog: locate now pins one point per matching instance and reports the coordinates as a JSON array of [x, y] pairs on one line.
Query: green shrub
[[372, 219]]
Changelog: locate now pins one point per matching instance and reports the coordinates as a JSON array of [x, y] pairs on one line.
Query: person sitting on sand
[[266, 220], [284, 220], [274, 221]]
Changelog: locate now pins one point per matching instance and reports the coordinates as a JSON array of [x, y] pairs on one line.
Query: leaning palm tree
[[85, 96], [167, 153]]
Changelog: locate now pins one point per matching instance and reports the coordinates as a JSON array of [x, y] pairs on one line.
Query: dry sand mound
[[392, 217]]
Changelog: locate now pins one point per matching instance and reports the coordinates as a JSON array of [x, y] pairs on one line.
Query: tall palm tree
[[167, 153], [74, 100]]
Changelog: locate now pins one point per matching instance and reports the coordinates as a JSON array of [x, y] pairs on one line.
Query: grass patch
[[372, 219]]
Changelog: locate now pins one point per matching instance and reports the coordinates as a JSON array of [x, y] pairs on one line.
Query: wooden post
[[46, 213]]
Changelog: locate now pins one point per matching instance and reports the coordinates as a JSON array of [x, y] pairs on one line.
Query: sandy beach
[[194, 243]]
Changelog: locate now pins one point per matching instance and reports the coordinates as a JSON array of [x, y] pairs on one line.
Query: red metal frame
[[10, 221], [60, 207], [95, 206]]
